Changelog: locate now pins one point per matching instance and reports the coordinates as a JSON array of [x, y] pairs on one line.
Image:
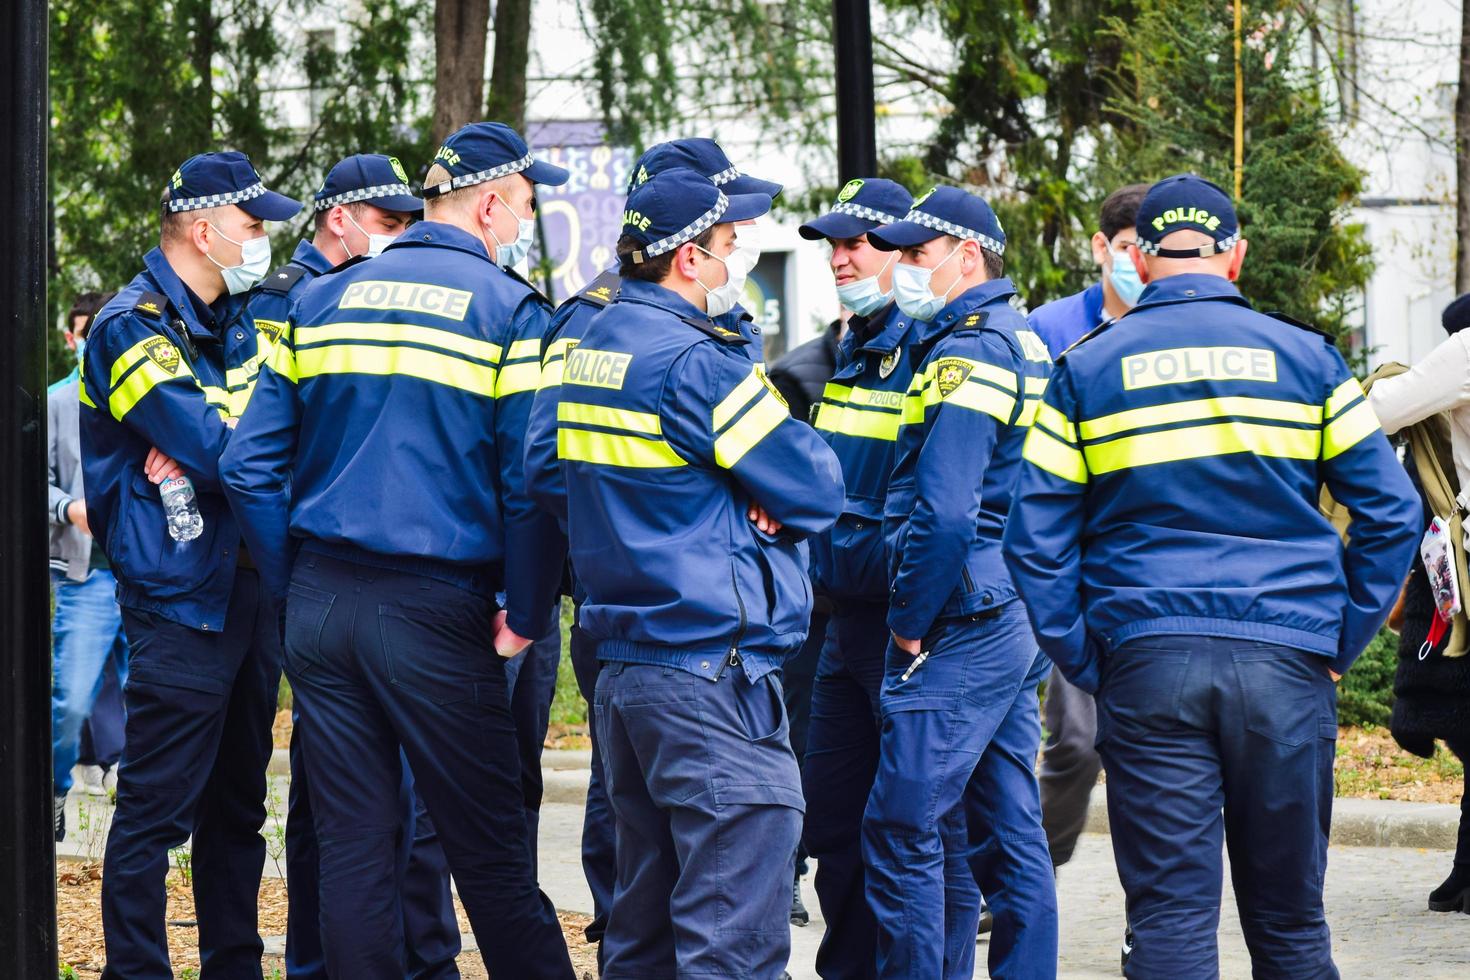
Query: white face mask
[[514, 252], [376, 242], [255, 262], [865, 296], [748, 240], [911, 288], [722, 299]]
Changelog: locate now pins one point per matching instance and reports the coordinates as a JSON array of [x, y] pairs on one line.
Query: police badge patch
[[949, 374], [849, 191], [162, 353], [889, 362]]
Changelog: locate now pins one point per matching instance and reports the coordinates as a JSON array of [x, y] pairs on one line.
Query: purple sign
[[583, 217]]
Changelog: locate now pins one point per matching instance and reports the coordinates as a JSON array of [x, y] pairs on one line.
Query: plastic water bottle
[[184, 520]]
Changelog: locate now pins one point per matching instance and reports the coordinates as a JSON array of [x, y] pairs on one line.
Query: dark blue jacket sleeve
[[256, 468], [535, 547], [1362, 472], [136, 373], [1043, 536]]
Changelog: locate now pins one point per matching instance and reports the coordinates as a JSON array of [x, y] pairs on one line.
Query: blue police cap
[[373, 178], [862, 205], [704, 157], [486, 151], [677, 206], [943, 211], [216, 180], [1186, 201]]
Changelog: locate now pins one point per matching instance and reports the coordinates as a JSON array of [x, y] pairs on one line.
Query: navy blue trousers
[[531, 677], [955, 803], [707, 801], [383, 660], [837, 776], [1205, 739], [199, 712], [599, 847]]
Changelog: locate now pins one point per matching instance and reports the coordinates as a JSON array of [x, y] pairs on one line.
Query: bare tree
[[507, 101], [460, 27]]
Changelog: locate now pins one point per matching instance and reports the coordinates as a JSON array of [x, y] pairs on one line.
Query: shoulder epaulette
[[722, 334], [152, 304], [602, 290], [1297, 323], [282, 279], [527, 283], [972, 321], [1086, 337]]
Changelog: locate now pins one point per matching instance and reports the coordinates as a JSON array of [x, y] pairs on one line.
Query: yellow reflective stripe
[[138, 352], [609, 449], [517, 378], [732, 403], [1201, 441], [753, 426], [1349, 429], [125, 397], [551, 374], [1199, 409], [1346, 393], [524, 348], [558, 350], [413, 362], [1028, 413], [982, 370], [1056, 457], [982, 398], [856, 422], [866, 397], [216, 396], [86, 399], [1053, 420], [1036, 386], [398, 333], [282, 360], [613, 418]]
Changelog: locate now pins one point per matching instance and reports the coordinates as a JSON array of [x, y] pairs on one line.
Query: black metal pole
[[857, 141], [27, 848]]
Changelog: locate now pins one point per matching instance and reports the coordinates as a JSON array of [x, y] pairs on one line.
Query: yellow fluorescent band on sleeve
[[609, 449], [517, 378], [737, 399], [846, 421], [524, 348], [126, 396], [1345, 394], [752, 427], [983, 398], [613, 418], [1057, 458], [1349, 429], [1050, 418]]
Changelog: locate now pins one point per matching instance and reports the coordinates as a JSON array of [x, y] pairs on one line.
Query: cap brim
[[541, 172], [901, 234], [834, 225], [271, 206], [746, 184], [746, 207], [397, 202]]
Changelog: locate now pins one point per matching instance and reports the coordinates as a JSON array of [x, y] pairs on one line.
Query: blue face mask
[[911, 289], [1124, 277], [865, 297]]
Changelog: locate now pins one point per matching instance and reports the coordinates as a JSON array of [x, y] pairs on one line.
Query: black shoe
[[1127, 947], [1454, 894], [799, 915], [987, 923], [58, 813]]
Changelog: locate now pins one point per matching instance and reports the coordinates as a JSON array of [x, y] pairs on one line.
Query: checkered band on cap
[[959, 231], [216, 200], [455, 183], [1205, 251], [364, 194], [865, 213], [688, 233], [724, 176]]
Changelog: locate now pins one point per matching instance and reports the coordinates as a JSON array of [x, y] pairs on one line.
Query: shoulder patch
[[163, 353], [950, 373], [1297, 323], [722, 334], [152, 304], [602, 290], [282, 279]]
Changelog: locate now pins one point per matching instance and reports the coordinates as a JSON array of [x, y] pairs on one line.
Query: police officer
[[364, 203], [568, 325], [666, 436], [378, 441], [205, 652], [859, 417], [958, 698], [1167, 540]]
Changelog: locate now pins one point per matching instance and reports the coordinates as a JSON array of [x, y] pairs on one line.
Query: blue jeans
[[1205, 738], [955, 802], [86, 633]]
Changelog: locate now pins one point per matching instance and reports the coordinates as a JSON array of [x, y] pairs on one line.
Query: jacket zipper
[[732, 656]]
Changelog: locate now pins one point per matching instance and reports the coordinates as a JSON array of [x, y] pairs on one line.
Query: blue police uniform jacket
[[979, 376], [271, 301], [1172, 482], [666, 433], [157, 371], [1063, 322], [391, 416], [859, 418]]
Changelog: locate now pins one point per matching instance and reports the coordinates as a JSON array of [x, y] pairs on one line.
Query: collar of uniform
[[443, 235], [199, 317], [971, 299], [309, 257], [888, 328], [652, 294], [1187, 287]]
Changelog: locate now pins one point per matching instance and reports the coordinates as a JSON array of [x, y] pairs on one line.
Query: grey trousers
[[1069, 765]]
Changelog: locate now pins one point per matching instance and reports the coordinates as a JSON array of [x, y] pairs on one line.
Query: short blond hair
[[461, 197]]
